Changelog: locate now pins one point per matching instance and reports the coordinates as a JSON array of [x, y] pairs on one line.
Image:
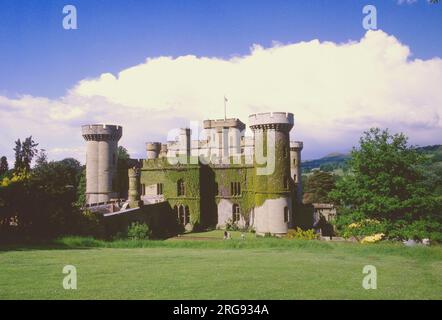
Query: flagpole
[[225, 117]]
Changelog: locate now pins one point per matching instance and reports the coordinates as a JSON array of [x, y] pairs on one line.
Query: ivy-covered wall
[[206, 185], [160, 171], [278, 183]]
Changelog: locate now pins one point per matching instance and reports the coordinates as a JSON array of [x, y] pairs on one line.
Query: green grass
[[217, 234], [255, 268]]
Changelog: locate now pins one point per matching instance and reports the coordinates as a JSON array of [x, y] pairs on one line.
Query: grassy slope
[[234, 269]]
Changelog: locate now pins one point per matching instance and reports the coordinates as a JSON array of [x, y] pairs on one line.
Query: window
[[181, 190], [183, 214], [186, 215], [143, 189], [286, 183], [235, 188], [159, 188], [236, 213], [286, 214], [216, 189]]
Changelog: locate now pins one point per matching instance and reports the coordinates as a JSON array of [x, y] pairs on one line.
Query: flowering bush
[[298, 233], [364, 228], [373, 238]]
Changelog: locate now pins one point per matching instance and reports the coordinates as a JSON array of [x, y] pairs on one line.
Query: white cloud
[[334, 90]]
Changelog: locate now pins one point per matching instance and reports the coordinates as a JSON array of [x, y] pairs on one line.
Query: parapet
[[153, 146], [224, 123], [274, 120], [100, 132], [296, 145]]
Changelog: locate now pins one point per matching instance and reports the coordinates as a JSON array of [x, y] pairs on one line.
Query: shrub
[[372, 239], [364, 228], [298, 233], [90, 225], [231, 225], [138, 231]]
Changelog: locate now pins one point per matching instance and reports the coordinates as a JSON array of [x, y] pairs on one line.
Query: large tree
[[4, 167], [317, 187], [24, 153], [385, 182]]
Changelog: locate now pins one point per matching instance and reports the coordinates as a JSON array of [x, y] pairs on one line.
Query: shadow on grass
[[380, 250]]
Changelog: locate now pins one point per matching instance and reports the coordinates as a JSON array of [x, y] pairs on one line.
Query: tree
[[317, 187], [4, 167], [24, 153], [42, 158], [42, 201], [122, 167], [385, 183]]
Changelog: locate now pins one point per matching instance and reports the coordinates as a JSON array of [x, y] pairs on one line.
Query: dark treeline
[[47, 200]]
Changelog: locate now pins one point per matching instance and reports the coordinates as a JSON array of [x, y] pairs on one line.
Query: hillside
[[337, 161], [330, 162]]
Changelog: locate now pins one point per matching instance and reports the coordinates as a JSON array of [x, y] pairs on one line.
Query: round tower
[[273, 203], [134, 187], [101, 161], [153, 150], [295, 167], [163, 151]]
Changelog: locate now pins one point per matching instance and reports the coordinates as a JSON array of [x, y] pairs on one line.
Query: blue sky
[[53, 80], [38, 57]]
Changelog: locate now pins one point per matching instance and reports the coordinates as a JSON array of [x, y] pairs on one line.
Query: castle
[[220, 178]]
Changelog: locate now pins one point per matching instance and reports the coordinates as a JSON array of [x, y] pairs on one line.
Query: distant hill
[[336, 161], [330, 162]]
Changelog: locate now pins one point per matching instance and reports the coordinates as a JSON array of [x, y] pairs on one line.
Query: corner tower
[[273, 203], [101, 161], [295, 168]]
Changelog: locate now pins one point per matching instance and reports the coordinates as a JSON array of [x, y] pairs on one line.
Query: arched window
[[286, 214], [181, 190], [181, 215], [236, 213], [186, 215]]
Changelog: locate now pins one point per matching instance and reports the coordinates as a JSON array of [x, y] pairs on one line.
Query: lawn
[[230, 269]]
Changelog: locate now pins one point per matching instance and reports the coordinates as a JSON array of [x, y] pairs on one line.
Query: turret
[[295, 167], [184, 142], [163, 151], [153, 150], [273, 206], [134, 187], [101, 161]]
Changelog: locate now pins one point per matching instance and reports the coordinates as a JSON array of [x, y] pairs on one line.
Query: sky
[[152, 66]]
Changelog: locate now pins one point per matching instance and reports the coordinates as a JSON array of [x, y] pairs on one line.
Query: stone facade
[[101, 161], [247, 181]]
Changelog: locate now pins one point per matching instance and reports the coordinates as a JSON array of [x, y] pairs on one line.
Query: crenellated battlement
[[271, 120], [102, 132], [296, 145]]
